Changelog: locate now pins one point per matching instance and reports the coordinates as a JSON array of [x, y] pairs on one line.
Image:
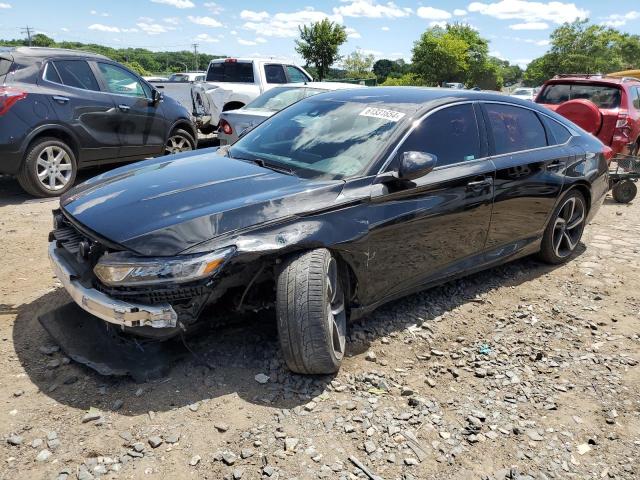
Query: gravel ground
[[520, 372]]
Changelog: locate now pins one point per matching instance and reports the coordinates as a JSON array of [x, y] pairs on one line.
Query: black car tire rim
[[177, 144], [54, 168], [336, 315], [568, 226]]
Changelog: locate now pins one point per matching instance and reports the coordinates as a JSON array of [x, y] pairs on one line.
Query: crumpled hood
[[166, 205]]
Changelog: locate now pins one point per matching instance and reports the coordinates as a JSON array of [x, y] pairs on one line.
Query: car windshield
[[281, 97], [604, 96], [322, 138]]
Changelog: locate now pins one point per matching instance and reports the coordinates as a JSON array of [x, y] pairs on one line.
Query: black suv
[[61, 110]]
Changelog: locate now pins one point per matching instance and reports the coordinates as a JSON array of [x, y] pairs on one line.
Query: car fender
[[188, 125], [52, 127]]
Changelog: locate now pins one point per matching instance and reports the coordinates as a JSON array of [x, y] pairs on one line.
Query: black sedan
[[328, 209]]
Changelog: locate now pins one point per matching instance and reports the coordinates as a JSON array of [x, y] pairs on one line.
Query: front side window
[[275, 74], [296, 75], [75, 73], [451, 134], [515, 129], [121, 82], [322, 138]]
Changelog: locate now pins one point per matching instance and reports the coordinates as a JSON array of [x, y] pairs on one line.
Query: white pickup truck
[[230, 84]]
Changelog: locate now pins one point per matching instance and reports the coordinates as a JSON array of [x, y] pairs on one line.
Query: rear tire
[[49, 168], [310, 308], [179, 141], [624, 191], [564, 231]]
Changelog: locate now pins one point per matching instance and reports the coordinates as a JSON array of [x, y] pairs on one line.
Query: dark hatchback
[[328, 209], [62, 110]]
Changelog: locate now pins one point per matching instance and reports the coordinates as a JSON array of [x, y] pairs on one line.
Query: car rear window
[[235, 72], [604, 96]]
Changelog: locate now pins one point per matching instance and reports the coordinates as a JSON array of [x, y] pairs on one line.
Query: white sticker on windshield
[[383, 113]]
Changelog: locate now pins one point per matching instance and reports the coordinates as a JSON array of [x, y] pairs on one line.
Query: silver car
[[234, 122]]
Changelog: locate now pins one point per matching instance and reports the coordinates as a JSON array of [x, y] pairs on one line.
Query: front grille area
[[150, 295]]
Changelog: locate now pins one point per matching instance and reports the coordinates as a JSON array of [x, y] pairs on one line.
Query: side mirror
[[156, 96], [415, 165]]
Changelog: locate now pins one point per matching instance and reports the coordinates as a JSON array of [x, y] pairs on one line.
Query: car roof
[[44, 52], [600, 79], [412, 99], [322, 85]]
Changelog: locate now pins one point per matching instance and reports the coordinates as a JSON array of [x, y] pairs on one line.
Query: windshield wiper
[[271, 166]]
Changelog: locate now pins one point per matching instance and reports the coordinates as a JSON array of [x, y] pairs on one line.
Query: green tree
[[136, 67], [406, 80], [384, 68], [319, 44], [41, 40], [358, 64]]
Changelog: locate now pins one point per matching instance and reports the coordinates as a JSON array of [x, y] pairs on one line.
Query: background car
[[62, 110], [524, 93], [234, 122], [187, 77], [328, 209], [607, 107]]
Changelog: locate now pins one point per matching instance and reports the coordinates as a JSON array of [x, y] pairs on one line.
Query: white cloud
[[458, 12], [352, 33], [206, 38], [436, 23], [233, 32], [176, 3], [283, 24], [242, 41], [431, 13], [214, 8], [385, 29], [542, 43], [371, 9], [619, 20], [529, 26], [557, 12], [64, 29], [254, 16], [153, 28], [522, 62], [104, 28], [172, 20], [206, 21], [5, 5], [102, 14], [261, 40]]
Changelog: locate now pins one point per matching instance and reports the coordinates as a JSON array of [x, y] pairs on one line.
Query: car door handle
[[554, 166], [124, 108], [61, 100], [478, 184]]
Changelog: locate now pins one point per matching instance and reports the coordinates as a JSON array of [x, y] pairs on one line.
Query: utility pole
[[27, 30], [195, 54]]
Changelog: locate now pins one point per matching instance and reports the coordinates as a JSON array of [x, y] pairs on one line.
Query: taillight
[[607, 152], [231, 60], [225, 128], [8, 98], [623, 127]]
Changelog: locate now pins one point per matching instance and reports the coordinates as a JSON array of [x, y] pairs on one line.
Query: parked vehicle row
[[63, 110], [329, 208], [231, 83]]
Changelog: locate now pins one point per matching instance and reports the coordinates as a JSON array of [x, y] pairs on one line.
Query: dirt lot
[[523, 371]]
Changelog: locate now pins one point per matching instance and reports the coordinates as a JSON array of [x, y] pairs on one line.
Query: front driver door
[[142, 127], [438, 226]]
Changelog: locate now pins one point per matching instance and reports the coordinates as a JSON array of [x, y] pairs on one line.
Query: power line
[[27, 30]]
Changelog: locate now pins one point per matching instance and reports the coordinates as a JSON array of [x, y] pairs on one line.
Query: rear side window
[[604, 96], [559, 132], [296, 75], [51, 74], [636, 99], [234, 72], [515, 129], [275, 74], [450, 134], [76, 73]]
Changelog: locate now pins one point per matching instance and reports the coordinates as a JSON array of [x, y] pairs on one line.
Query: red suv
[[607, 107]]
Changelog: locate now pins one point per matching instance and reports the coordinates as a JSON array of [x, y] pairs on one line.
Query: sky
[[518, 30]]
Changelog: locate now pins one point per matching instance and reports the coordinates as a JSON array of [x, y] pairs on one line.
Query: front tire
[[564, 231], [49, 168], [624, 191], [179, 141], [310, 307]]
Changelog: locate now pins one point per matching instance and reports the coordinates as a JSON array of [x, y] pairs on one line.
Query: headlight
[[123, 269]]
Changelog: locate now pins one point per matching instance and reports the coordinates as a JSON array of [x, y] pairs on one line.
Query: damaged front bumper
[[118, 312]]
